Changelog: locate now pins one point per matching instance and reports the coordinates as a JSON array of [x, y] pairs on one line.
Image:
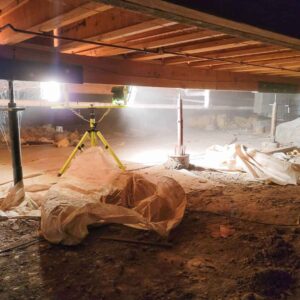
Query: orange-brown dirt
[[239, 239]]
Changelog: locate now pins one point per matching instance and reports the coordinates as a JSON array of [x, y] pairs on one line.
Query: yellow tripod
[[92, 134]]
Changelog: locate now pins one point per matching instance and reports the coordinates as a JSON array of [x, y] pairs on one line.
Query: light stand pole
[[274, 120], [271, 143], [14, 133], [180, 160], [180, 147]]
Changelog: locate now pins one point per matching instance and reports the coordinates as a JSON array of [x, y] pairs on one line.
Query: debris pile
[[223, 121], [46, 134]]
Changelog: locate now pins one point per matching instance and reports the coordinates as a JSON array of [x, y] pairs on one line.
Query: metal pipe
[[180, 147], [14, 131], [274, 119], [147, 51]]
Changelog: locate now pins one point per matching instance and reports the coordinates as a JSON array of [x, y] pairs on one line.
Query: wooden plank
[[262, 70], [108, 26], [138, 38], [255, 59], [5, 3], [36, 15], [181, 14], [8, 5], [242, 51], [157, 43], [89, 88], [127, 72], [284, 63], [74, 47], [73, 15], [196, 48], [269, 56]]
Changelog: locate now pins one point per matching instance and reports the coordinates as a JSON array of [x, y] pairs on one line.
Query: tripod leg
[[66, 164], [93, 139], [112, 153]]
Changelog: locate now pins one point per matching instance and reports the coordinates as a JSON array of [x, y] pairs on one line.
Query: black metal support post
[[14, 132]]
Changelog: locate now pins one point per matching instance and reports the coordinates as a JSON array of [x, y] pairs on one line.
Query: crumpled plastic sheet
[[258, 165], [16, 203], [94, 191]]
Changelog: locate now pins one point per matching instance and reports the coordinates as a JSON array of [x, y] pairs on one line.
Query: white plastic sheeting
[[259, 165], [93, 191], [288, 132]]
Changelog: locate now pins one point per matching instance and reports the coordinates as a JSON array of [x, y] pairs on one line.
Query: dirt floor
[[239, 239]]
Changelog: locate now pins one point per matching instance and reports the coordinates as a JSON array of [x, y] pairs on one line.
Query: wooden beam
[[5, 3], [75, 47], [216, 54], [138, 38], [79, 11], [36, 15], [258, 72], [272, 73], [8, 5], [90, 88], [283, 63], [126, 72], [196, 48], [109, 26], [242, 51], [256, 59], [157, 43], [181, 14]]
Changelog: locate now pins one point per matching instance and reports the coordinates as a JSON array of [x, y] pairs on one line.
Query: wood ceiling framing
[[169, 37]]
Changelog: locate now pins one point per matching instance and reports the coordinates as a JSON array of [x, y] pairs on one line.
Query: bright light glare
[[153, 157], [50, 91], [131, 95]]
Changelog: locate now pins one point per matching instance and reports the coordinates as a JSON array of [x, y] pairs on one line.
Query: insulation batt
[[94, 191]]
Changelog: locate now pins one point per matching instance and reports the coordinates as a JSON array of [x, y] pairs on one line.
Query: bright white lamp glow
[[50, 91], [131, 95]]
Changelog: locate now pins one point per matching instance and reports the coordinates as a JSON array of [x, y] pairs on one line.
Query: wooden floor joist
[[125, 72], [181, 14], [166, 39], [46, 16]]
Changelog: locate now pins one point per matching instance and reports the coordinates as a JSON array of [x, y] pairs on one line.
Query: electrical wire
[[146, 51], [103, 116], [78, 115], [87, 120]]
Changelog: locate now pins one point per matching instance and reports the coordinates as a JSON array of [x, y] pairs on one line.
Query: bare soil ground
[[239, 239]]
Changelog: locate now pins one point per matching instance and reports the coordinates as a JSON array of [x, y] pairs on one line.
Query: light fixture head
[[50, 91]]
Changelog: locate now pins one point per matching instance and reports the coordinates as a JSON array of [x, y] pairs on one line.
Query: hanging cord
[[87, 120], [78, 115], [103, 116]]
